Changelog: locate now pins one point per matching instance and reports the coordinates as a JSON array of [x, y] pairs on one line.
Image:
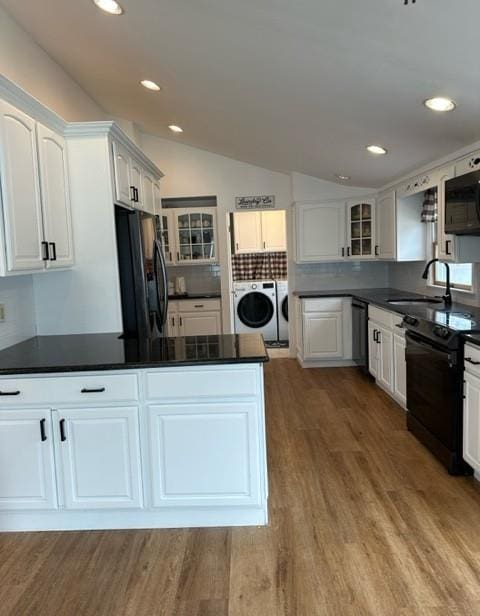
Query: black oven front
[[434, 399]]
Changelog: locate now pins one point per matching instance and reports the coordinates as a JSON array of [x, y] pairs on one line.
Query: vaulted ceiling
[[293, 86]]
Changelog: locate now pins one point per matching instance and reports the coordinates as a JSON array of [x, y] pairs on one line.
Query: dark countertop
[[460, 317], [176, 297], [83, 352]]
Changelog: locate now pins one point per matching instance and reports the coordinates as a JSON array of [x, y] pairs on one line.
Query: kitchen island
[[98, 432]]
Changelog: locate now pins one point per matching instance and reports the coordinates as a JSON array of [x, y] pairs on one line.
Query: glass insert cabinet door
[[196, 235], [361, 226], [166, 233]]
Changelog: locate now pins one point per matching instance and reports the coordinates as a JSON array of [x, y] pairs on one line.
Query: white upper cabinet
[[136, 180], [418, 184], [260, 231], [124, 195], [386, 231], [57, 221], [148, 193], [20, 187], [274, 231], [247, 231], [35, 195], [196, 235], [361, 229], [320, 232]]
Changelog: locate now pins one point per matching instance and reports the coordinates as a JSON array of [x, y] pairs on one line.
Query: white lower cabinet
[[204, 454], [100, 457], [471, 408], [323, 336], [325, 330], [386, 349], [400, 369], [194, 318], [27, 469]]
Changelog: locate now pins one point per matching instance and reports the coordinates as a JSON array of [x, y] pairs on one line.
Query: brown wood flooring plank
[[363, 521]]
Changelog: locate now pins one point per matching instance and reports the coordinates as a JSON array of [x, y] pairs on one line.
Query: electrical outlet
[[2, 312]]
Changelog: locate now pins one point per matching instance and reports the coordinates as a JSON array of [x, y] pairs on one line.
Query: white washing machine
[[255, 303], [282, 310]]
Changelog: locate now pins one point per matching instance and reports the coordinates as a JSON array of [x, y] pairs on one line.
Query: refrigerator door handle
[[158, 259]]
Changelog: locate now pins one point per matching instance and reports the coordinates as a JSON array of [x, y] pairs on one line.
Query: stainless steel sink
[[414, 300]]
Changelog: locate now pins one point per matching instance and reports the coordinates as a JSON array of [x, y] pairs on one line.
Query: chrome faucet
[[447, 298]]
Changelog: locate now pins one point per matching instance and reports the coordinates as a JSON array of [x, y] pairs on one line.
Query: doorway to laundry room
[[259, 276]]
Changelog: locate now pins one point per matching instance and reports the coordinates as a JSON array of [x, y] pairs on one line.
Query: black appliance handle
[[472, 361], [159, 258]]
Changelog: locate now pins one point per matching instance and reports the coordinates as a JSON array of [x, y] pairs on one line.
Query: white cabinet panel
[[100, 454], [55, 197], [320, 230], [400, 370], [148, 193], [247, 228], [205, 454], [20, 190], [274, 231], [27, 475], [471, 422], [136, 179], [386, 226], [361, 229], [385, 363], [200, 323], [322, 335], [372, 349], [121, 164]]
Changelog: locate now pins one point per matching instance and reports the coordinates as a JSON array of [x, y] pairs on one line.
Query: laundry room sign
[[255, 202]]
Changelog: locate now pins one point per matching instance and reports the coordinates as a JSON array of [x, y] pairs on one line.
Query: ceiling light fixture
[[175, 128], [150, 85], [376, 149], [343, 178], [109, 6], [440, 103]]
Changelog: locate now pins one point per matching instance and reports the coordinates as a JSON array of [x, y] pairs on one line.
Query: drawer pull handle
[[43, 434], [198, 306], [100, 390], [399, 325], [63, 436], [9, 393], [472, 361]]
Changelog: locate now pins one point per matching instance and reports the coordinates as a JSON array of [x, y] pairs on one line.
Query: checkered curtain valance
[[260, 266], [430, 206]]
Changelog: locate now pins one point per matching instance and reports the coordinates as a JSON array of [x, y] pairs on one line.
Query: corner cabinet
[[195, 235], [320, 232], [37, 230], [361, 229]]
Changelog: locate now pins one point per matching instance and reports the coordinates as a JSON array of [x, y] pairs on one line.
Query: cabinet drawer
[[384, 317], [193, 305], [472, 353], [204, 383], [328, 304], [68, 390]]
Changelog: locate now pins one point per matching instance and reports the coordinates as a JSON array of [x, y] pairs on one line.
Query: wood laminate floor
[[362, 521]]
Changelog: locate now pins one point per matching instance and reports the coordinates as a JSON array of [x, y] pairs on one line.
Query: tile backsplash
[[16, 293], [344, 275], [198, 278]]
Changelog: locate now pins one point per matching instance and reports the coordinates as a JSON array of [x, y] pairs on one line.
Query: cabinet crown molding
[[22, 100], [111, 130]]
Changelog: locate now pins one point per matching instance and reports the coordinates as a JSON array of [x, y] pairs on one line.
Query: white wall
[[308, 188], [193, 172], [26, 64]]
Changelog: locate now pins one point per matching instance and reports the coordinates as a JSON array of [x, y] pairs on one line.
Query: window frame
[[434, 281]]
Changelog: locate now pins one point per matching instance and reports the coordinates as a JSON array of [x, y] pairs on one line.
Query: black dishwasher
[[360, 334]]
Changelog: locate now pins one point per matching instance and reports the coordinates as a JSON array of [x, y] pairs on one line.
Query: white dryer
[[255, 304], [282, 310]]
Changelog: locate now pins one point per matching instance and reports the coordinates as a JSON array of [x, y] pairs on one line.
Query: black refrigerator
[[143, 274]]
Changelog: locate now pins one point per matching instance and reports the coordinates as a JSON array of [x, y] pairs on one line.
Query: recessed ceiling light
[[344, 178], [440, 103], [175, 129], [376, 149], [109, 6], [150, 85]]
